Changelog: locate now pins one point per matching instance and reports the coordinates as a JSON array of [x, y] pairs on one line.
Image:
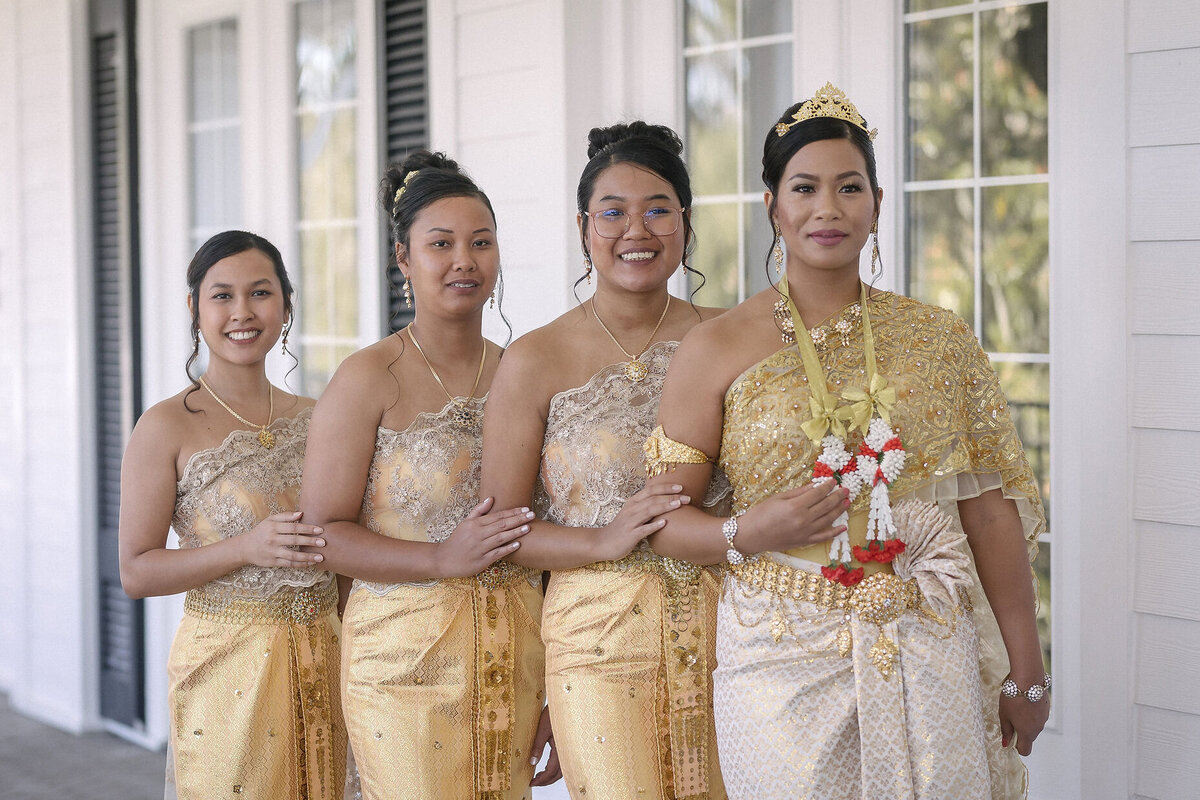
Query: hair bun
[[660, 135], [398, 172]]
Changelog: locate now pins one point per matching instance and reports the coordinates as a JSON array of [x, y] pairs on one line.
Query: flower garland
[[878, 462]]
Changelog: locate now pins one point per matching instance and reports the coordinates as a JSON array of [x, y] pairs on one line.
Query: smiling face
[[824, 205], [638, 260], [452, 257], [241, 307]]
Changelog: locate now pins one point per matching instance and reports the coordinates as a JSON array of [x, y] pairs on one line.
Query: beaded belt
[[503, 573], [676, 573], [880, 598], [291, 604]]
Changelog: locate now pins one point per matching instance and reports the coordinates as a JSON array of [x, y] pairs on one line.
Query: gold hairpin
[[829, 101], [404, 186]]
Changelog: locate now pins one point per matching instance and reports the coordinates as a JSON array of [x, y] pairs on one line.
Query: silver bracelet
[[729, 528], [1033, 694]]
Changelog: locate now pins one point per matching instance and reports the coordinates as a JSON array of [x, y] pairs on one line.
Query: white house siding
[[1164, 276], [46, 478]]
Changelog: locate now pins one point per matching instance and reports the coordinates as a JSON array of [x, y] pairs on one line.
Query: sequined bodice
[[424, 480], [227, 490], [592, 458], [950, 412]]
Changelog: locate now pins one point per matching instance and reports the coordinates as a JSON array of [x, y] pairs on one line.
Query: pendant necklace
[[265, 437], [635, 369], [461, 414]]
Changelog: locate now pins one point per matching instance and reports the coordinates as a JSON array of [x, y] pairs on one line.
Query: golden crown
[[829, 101], [403, 186]]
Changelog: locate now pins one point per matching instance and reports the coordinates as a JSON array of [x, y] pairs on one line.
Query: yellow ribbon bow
[[825, 416], [878, 397]]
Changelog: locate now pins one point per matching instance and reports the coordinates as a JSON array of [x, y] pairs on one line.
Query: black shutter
[[118, 378], [405, 113]]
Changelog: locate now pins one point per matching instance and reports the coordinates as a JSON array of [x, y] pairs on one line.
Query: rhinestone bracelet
[[1033, 694], [729, 528]]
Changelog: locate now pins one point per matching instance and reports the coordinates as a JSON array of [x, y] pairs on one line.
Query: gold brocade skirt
[[855, 693], [253, 697], [442, 688], [628, 663]]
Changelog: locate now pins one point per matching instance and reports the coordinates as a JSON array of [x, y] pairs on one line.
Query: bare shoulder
[[543, 348], [162, 428]]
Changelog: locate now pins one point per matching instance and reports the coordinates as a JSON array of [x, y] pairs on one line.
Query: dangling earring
[[876, 261], [195, 343], [286, 330], [587, 268], [492, 299], [777, 252], [407, 294]]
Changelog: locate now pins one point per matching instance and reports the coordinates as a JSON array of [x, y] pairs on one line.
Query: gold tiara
[[829, 101], [403, 186]]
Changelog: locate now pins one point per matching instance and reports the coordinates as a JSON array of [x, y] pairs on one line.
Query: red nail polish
[[1003, 742]]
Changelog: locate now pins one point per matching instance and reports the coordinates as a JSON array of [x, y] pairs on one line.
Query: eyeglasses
[[613, 223]]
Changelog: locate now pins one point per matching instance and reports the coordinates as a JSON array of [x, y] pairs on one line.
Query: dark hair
[[218, 247], [656, 148], [425, 178], [778, 151]]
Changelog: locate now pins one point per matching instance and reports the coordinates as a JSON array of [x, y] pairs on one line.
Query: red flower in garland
[[841, 573], [883, 552]]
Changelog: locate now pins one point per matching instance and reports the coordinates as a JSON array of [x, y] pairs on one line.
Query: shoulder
[[363, 367], [163, 426], [545, 345]]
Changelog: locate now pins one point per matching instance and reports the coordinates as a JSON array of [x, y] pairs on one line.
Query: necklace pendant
[[787, 328], [636, 370], [464, 416], [266, 438]]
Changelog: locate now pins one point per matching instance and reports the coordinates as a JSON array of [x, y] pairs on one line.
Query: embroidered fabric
[[228, 489], [592, 457], [950, 411], [424, 479]]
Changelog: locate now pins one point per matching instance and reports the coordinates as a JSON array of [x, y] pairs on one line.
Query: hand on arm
[[148, 483], [341, 446], [692, 413], [993, 529], [513, 432]]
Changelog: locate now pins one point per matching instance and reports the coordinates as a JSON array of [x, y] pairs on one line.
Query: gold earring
[[876, 261], [407, 294], [777, 252], [492, 299], [587, 268], [286, 330]]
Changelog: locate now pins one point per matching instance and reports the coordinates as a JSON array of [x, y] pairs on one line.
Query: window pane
[[760, 267], [767, 94], [712, 138], [327, 164], [1015, 270], [315, 307], [216, 182], [940, 86], [342, 260], [1013, 103], [325, 52], [710, 21], [941, 249], [214, 129], [716, 253], [764, 17], [1027, 387]]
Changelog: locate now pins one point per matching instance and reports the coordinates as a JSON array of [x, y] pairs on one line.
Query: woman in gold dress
[[253, 670], [880, 654], [441, 660], [628, 634]]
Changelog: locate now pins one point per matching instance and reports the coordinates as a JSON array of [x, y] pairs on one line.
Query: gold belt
[[879, 598], [674, 572], [501, 574], [291, 604]]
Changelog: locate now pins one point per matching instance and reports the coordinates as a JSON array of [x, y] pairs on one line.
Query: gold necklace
[[265, 437], [635, 369], [462, 415], [822, 335]]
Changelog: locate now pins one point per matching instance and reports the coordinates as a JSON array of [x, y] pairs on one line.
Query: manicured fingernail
[[533, 761], [1004, 742], [846, 503], [683, 498], [524, 529], [318, 529], [677, 488], [675, 503], [529, 515], [318, 557], [320, 542], [515, 545]]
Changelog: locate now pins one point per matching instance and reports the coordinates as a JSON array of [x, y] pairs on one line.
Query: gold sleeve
[[664, 453]]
